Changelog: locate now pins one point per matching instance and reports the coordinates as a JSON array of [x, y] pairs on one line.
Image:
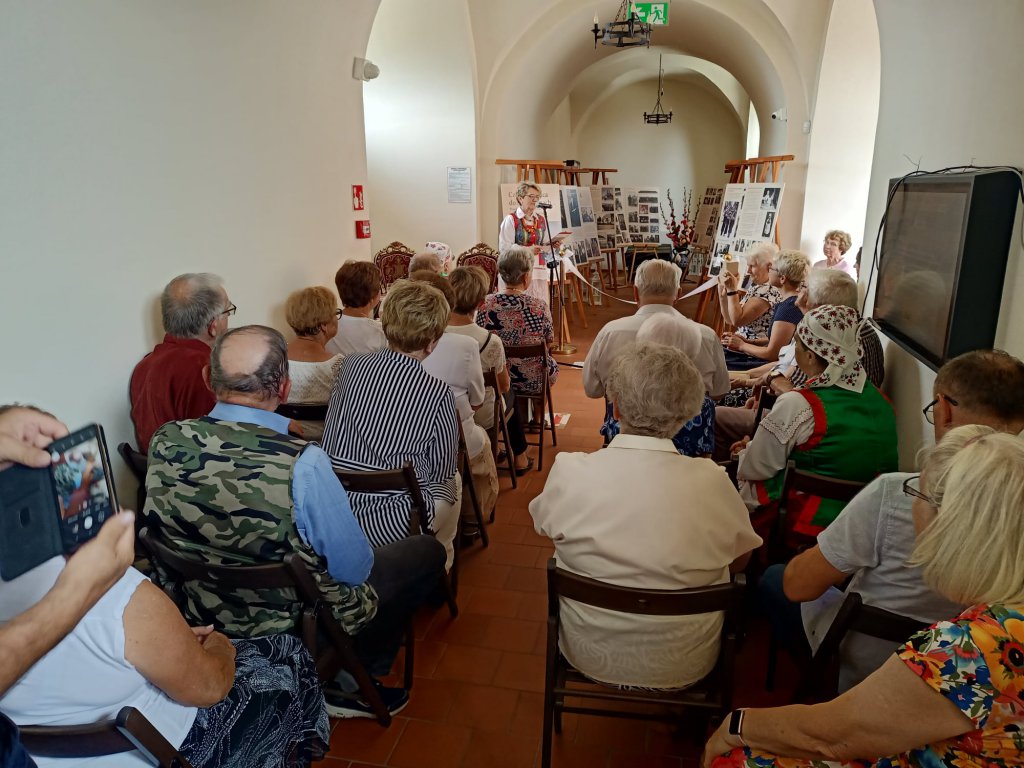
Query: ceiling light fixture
[[658, 116], [626, 31]]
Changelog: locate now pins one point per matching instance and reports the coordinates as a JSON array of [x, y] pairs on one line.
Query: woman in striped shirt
[[386, 410]]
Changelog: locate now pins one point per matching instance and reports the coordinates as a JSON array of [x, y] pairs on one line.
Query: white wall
[[690, 151], [843, 127], [951, 93], [140, 139], [420, 119]]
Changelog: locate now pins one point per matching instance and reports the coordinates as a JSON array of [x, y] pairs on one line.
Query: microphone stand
[[555, 263]]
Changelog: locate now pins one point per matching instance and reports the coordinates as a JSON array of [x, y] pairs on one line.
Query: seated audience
[[37, 619], [839, 425], [219, 702], [444, 254], [836, 244], [787, 273], [469, 285], [358, 284], [618, 515], [655, 288], [168, 383], [386, 410], [428, 261], [518, 318], [950, 696], [750, 311], [697, 437], [824, 286], [456, 361], [873, 536], [234, 486], [313, 315]]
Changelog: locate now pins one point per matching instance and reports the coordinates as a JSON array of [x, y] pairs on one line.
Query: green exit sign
[[652, 13]]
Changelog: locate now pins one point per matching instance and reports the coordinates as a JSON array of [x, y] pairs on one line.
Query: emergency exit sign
[[652, 13]]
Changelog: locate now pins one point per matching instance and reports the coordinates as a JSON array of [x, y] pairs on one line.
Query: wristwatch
[[731, 293], [736, 724]]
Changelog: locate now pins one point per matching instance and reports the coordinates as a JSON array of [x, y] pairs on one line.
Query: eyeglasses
[[337, 313], [230, 310], [535, 198], [929, 410], [910, 490]]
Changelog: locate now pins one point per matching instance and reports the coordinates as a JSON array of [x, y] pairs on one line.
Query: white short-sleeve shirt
[[456, 361]]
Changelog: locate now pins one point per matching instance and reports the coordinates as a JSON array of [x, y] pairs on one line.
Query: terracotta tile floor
[[477, 698]]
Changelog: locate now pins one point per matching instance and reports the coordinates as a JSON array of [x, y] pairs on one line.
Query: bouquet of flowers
[[679, 231]]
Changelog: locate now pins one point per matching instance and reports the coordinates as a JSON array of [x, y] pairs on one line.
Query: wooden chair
[[303, 411], [483, 256], [712, 695], [316, 621], [500, 427], [127, 732], [393, 263], [820, 681], [137, 464], [540, 399], [404, 480], [468, 487]]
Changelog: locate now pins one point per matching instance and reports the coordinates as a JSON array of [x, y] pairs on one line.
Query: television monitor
[[943, 259]]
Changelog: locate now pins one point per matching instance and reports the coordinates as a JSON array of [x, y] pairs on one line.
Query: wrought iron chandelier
[[626, 31], [658, 116]]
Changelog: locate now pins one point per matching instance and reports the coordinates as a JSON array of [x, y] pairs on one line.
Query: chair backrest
[[136, 461], [483, 256], [537, 349], [765, 402], [378, 481], [128, 731], [798, 480], [393, 263], [303, 411], [491, 380]]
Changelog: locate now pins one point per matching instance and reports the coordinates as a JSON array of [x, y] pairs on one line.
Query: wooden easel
[[557, 172], [754, 170]]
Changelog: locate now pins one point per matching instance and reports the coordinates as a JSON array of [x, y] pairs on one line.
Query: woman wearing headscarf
[[838, 424]]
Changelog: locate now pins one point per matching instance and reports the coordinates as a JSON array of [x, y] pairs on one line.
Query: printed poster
[[706, 222], [748, 216], [643, 215]]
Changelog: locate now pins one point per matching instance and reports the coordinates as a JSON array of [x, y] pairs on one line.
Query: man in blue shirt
[[235, 484]]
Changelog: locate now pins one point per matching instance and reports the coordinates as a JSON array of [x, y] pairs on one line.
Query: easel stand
[[554, 263]]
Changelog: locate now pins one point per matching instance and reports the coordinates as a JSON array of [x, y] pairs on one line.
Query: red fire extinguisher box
[[362, 229]]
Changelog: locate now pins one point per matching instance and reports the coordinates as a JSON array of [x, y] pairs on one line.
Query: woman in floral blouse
[[969, 711], [518, 318]]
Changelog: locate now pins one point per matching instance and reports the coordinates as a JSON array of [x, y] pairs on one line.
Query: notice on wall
[[460, 184], [748, 216], [706, 223], [643, 215]]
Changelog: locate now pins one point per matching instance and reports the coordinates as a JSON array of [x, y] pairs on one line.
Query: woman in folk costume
[[838, 424], [526, 227]]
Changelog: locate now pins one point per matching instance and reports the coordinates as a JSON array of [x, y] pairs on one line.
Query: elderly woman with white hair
[[952, 694], [614, 515], [838, 425], [750, 311], [787, 273], [519, 318], [697, 436]]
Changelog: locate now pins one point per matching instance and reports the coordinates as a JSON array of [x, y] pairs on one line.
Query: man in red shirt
[[168, 384]]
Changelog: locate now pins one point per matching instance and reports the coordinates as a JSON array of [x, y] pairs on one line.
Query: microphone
[[545, 206]]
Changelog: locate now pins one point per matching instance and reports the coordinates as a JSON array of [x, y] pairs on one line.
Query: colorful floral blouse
[[975, 661], [761, 326], [520, 319]]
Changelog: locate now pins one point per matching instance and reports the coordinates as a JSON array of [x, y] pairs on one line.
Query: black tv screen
[[943, 260]]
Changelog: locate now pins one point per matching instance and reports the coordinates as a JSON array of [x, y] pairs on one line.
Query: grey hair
[[658, 278], [190, 302], [655, 388], [514, 263], [672, 330], [762, 253], [266, 380], [425, 260], [831, 286], [792, 265]]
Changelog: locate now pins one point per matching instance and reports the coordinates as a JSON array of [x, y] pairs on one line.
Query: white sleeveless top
[[86, 678]]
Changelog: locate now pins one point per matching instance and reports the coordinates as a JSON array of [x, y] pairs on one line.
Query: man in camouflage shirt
[[233, 487]]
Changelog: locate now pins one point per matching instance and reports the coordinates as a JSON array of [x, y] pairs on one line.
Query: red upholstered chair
[[393, 263], [483, 256]]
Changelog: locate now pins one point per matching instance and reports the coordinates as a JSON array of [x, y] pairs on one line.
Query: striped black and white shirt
[[386, 410]]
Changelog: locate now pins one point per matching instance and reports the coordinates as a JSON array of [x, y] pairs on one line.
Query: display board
[[706, 223], [580, 218], [643, 215], [748, 216], [603, 198]]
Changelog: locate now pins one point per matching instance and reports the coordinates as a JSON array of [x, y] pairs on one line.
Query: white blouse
[[357, 334]]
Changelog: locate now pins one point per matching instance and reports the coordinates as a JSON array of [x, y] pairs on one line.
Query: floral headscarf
[[833, 333], [444, 252]]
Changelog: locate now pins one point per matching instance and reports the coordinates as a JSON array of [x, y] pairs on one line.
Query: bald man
[[235, 486]]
